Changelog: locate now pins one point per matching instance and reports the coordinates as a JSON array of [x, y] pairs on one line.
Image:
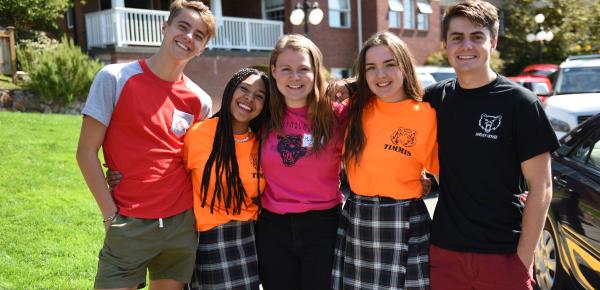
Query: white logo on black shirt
[[488, 124]]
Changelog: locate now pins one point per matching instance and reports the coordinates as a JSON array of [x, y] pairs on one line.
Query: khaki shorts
[[166, 248]]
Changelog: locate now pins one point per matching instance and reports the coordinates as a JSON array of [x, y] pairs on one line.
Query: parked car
[[539, 85], [576, 95], [439, 73], [568, 253], [544, 70], [426, 79]]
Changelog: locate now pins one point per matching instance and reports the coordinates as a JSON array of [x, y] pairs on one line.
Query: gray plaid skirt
[[382, 243], [226, 258]]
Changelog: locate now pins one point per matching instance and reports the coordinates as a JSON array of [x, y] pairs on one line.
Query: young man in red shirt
[[138, 113]]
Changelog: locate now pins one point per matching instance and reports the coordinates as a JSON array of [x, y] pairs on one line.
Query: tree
[[575, 24], [28, 15]]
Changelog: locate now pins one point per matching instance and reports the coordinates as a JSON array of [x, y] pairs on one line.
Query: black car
[[568, 253]]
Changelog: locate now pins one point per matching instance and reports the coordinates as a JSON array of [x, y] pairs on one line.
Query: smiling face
[[294, 76], [186, 36], [247, 102], [383, 74], [468, 47]]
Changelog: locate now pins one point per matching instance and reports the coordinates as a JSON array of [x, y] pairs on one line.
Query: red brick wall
[[340, 45], [212, 72], [423, 43]]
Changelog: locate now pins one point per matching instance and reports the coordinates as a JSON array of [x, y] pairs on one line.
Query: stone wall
[[27, 101]]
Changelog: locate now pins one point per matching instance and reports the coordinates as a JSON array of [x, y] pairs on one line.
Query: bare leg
[[165, 284]]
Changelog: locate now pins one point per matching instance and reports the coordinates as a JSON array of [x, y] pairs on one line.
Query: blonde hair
[[321, 117], [205, 14]]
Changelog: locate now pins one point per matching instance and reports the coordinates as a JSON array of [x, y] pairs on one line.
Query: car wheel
[[547, 267]]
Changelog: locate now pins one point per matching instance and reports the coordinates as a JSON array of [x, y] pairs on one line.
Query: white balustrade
[[123, 27]]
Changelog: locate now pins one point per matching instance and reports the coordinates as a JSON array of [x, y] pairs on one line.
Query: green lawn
[[50, 227]]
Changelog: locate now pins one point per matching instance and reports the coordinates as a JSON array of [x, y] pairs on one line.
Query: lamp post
[[302, 14], [540, 35]]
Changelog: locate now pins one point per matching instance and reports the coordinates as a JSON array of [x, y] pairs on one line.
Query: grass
[[6, 83], [51, 229]]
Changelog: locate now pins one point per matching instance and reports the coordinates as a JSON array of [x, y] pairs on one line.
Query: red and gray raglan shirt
[[146, 119]]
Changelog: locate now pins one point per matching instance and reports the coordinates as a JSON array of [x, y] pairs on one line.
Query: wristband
[[112, 217]]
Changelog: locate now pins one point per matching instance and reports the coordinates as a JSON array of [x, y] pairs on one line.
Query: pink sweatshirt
[[299, 180]]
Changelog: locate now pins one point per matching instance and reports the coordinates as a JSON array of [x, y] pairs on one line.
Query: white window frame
[[409, 15], [343, 14], [273, 8], [423, 12], [395, 13], [70, 18]]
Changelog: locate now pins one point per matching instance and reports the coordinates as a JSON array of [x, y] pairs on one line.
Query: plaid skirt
[[382, 243], [226, 258]]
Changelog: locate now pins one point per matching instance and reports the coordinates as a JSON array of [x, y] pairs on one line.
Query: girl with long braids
[[301, 157], [383, 238], [222, 154]]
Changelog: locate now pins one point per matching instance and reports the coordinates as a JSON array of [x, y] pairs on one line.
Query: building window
[[409, 14], [274, 10], [339, 13], [424, 10], [140, 4], [395, 16], [105, 4], [340, 73], [69, 17]]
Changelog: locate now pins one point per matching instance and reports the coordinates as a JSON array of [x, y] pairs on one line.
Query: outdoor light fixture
[[302, 15], [541, 34]]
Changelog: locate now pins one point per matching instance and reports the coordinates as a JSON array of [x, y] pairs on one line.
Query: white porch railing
[[123, 27]]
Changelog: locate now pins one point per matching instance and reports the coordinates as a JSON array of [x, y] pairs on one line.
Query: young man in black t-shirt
[[494, 139]]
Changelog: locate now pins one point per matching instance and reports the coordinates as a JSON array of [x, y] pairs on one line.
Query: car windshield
[[538, 72], [578, 80]]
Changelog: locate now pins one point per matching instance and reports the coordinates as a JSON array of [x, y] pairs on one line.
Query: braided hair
[[223, 158]]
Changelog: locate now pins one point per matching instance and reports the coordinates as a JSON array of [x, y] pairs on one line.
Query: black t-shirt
[[484, 134]]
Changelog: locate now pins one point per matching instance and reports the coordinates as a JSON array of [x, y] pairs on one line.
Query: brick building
[[124, 30]]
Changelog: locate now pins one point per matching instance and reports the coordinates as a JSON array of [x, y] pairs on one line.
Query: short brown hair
[[478, 12], [205, 14]]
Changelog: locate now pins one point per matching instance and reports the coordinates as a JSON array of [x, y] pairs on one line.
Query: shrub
[[60, 73]]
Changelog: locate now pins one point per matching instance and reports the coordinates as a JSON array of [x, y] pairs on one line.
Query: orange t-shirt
[[401, 142], [198, 144]]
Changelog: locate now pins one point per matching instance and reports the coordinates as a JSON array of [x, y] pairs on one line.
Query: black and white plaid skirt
[[382, 243], [226, 258]]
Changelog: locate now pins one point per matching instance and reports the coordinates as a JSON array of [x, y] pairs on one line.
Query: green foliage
[[439, 58], [28, 15], [60, 73], [575, 24], [29, 49]]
